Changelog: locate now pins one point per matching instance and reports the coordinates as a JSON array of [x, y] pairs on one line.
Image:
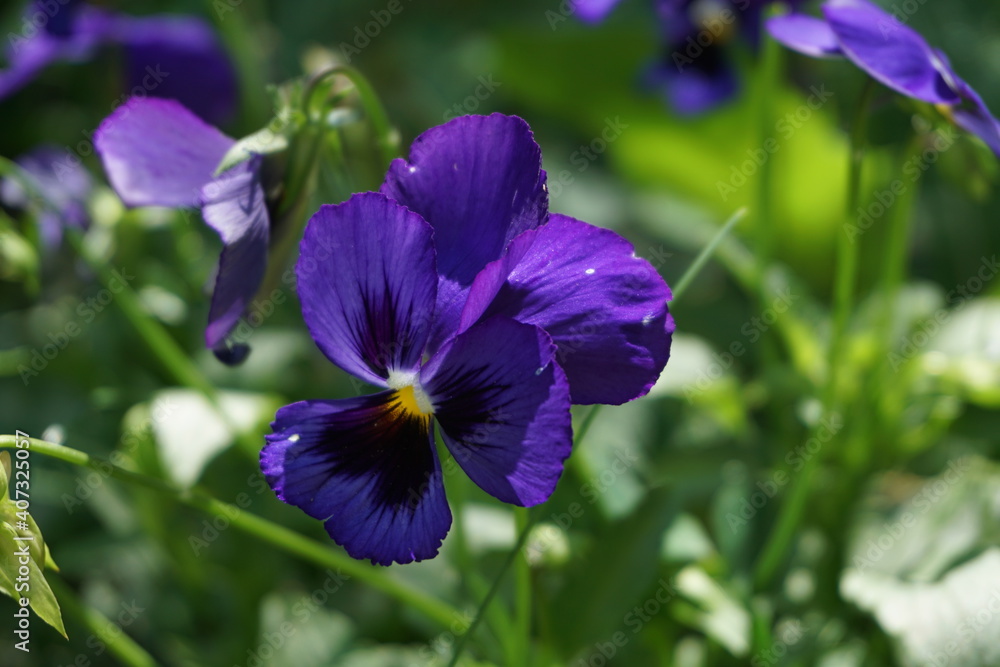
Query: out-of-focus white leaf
[[194, 433]]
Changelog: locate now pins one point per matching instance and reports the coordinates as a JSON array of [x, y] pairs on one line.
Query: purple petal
[[60, 15], [974, 117], [593, 11], [605, 308], [806, 34], [503, 405], [367, 283], [888, 51], [64, 182], [74, 37], [233, 205], [366, 468], [179, 57], [157, 153], [478, 181], [692, 88]]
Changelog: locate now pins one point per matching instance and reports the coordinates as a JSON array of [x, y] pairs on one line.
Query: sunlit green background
[[683, 524]]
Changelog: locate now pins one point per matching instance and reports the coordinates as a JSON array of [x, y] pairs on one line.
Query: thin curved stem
[[792, 510], [126, 649], [279, 536], [387, 142], [706, 253], [522, 591], [494, 589]]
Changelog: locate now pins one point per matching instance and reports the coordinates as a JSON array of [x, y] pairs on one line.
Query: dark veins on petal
[[470, 407], [388, 442]]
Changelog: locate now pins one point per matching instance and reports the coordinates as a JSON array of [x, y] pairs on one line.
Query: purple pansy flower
[[158, 153], [65, 185], [176, 57], [457, 293], [892, 54], [695, 72]]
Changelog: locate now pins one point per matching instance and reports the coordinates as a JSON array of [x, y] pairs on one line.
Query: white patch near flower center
[[400, 381]]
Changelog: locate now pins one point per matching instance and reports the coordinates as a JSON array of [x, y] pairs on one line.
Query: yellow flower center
[[410, 396]]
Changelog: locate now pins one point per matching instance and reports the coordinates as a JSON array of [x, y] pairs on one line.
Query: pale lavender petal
[[233, 205], [806, 34], [158, 153]]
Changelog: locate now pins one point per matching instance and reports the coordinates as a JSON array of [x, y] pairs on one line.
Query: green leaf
[[264, 141], [613, 577], [719, 615], [30, 585], [24, 556], [928, 568], [192, 432], [4, 474]]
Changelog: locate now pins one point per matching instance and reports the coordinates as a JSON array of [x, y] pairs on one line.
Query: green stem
[[792, 510], [476, 586], [494, 589], [770, 74], [525, 522], [118, 642], [173, 359], [706, 253], [891, 282], [279, 536], [522, 589], [388, 144], [586, 424], [847, 251]]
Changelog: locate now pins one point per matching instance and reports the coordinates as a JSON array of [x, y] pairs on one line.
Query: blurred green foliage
[[649, 563]]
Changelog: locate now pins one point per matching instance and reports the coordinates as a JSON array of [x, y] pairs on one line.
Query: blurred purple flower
[[892, 54], [157, 153], [176, 57], [66, 186], [470, 305], [695, 72]]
